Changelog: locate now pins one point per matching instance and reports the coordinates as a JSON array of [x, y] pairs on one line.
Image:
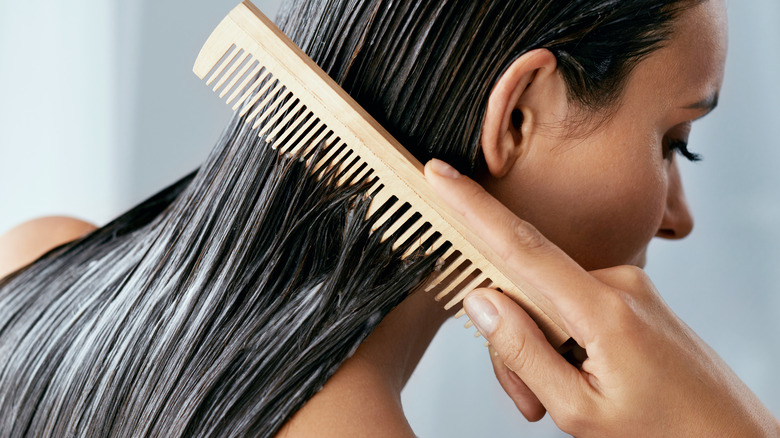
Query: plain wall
[[100, 109]]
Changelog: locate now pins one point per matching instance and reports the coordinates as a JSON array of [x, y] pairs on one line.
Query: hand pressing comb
[[298, 108]]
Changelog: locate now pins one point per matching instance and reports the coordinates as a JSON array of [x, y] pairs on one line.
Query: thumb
[[524, 349]]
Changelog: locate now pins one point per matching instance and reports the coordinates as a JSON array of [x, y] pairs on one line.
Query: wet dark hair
[[429, 82], [222, 304]]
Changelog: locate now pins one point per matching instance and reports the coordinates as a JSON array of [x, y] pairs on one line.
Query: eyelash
[[681, 147]]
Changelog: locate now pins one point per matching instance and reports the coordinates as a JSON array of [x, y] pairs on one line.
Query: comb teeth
[[291, 128], [299, 110]]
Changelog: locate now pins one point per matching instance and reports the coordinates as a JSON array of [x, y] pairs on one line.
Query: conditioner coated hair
[[221, 305]]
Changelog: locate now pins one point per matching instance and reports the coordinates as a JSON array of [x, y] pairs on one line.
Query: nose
[[677, 221]]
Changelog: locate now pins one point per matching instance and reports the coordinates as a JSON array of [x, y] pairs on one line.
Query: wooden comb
[[251, 64]]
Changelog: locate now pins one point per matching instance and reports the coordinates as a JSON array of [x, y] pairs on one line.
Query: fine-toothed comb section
[[298, 109]]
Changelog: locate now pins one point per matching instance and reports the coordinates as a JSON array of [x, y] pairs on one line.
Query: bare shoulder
[[26, 242], [355, 402]]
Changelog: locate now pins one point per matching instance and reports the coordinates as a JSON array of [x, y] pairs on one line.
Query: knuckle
[[524, 238], [613, 299], [517, 357], [527, 235], [619, 305], [569, 420], [576, 416], [632, 278], [636, 285]]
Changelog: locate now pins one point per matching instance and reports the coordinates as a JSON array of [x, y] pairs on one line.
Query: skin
[[647, 373], [26, 242], [600, 194]]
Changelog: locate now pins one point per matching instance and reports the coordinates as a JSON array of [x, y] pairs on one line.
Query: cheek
[[620, 223], [601, 213]]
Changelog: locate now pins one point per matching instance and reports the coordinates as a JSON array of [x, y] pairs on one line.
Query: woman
[[599, 184], [562, 103]]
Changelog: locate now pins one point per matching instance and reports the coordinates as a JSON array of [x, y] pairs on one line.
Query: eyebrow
[[709, 103]]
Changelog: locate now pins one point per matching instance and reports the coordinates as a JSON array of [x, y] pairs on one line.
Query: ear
[[513, 106]]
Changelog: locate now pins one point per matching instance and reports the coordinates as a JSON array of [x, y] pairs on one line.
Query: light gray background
[[99, 109]]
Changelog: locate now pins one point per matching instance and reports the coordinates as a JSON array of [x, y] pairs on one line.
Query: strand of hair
[[239, 74], [422, 239], [262, 101], [288, 144], [268, 83], [378, 198], [299, 130], [398, 224], [319, 140], [450, 265], [242, 88], [288, 122], [277, 117], [330, 155]]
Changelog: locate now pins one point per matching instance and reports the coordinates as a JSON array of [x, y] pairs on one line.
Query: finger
[[524, 349], [525, 400], [530, 257]]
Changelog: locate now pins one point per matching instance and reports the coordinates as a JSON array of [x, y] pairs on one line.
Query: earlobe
[[511, 111]]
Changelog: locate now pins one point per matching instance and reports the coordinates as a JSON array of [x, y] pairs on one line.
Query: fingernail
[[482, 313], [443, 169]]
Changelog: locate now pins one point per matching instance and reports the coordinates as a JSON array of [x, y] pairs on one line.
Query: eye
[[676, 141], [681, 147]]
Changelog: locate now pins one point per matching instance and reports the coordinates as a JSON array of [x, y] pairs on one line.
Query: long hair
[[223, 303]]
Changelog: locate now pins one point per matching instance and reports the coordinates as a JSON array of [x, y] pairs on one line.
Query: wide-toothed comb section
[[231, 69], [241, 76], [281, 121], [337, 164], [222, 63], [347, 170], [396, 224], [479, 280], [252, 79], [302, 112], [359, 175], [427, 233], [331, 153], [261, 90], [461, 274], [303, 125], [317, 141], [271, 97], [451, 261], [279, 111], [304, 138], [406, 236]]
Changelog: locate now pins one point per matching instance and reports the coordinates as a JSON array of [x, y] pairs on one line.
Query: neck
[[398, 343]]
